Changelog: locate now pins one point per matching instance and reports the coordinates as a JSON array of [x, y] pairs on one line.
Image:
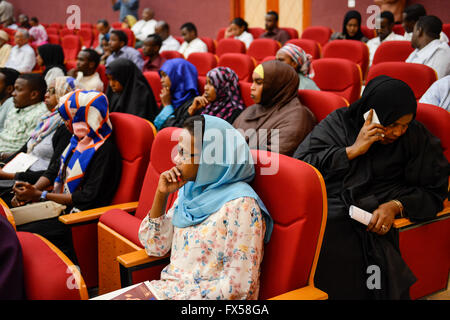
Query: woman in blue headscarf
[[179, 80], [217, 227]]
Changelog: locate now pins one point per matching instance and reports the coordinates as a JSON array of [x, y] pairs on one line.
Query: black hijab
[[53, 56], [352, 14], [137, 96]]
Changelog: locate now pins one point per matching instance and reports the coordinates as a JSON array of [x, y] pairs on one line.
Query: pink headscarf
[[39, 35]]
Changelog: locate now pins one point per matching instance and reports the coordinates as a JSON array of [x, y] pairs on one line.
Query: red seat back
[[356, 51], [311, 47], [101, 69], [130, 35], [340, 76], [209, 43], [242, 64], [86, 36], [51, 30], [154, 80], [368, 33], [161, 159], [418, 76], [66, 31], [261, 48], [48, 273], [299, 221], [245, 93], [398, 29], [437, 121], [169, 54], [321, 103], [201, 84], [86, 25], [221, 34], [53, 38], [396, 50], [320, 34], [135, 156], [230, 45], [55, 25], [117, 25], [203, 61], [268, 58], [71, 45], [446, 29], [293, 33], [256, 32]]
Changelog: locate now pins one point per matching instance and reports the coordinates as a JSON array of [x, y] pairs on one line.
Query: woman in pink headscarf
[[38, 36]]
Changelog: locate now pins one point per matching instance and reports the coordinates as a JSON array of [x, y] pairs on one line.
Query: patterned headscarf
[[39, 35], [90, 107], [228, 94], [50, 122], [299, 56]]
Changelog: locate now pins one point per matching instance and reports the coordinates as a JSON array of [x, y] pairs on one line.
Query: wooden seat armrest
[[94, 214], [305, 293], [405, 222], [139, 257]]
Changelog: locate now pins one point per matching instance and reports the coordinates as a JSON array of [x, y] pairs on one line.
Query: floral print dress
[[217, 259]]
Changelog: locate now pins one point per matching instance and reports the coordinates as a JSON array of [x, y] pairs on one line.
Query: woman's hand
[[170, 181], [198, 103], [369, 133], [165, 96], [383, 218], [16, 203], [228, 32], [26, 192]]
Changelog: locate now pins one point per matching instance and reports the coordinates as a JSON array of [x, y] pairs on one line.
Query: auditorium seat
[[418, 76], [171, 54], [340, 76], [133, 137], [154, 80], [209, 43], [368, 33], [293, 33], [117, 25], [446, 29], [71, 45], [201, 84], [268, 58], [86, 25], [53, 38], [130, 35], [95, 38], [256, 32], [242, 64], [66, 31], [320, 34], [86, 36], [321, 103], [179, 39], [118, 230], [101, 69], [261, 48], [230, 46], [311, 47], [398, 29], [299, 224], [221, 34], [203, 61], [55, 25], [395, 50], [51, 30], [353, 50], [245, 93]]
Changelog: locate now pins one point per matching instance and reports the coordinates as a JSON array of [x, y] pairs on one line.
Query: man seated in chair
[[22, 56], [85, 71], [273, 32], [191, 42], [169, 43], [151, 48], [118, 41]]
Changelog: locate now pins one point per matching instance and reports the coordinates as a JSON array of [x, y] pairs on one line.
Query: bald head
[[162, 29]]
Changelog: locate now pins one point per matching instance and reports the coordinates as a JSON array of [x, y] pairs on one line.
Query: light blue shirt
[[307, 83], [127, 53], [127, 7], [438, 94], [4, 109]]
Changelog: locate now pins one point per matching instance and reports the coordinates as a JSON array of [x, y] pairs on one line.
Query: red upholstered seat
[[51, 30], [392, 51], [242, 64], [446, 29], [55, 25], [340, 76], [86, 36], [130, 35], [71, 45], [398, 29], [293, 33], [261, 48], [117, 25], [209, 43], [256, 32], [321, 103], [169, 54], [95, 38], [221, 34], [268, 58], [230, 45], [201, 84], [418, 76], [179, 39], [356, 51], [320, 34], [299, 221], [86, 25], [154, 80], [203, 61], [311, 47], [101, 69], [368, 33], [53, 38], [66, 31], [48, 273], [245, 93]]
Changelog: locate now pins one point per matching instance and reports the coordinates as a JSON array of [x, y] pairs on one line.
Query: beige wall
[[255, 10]]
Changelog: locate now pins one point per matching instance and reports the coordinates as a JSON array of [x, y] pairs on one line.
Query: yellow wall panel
[[291, 14], [255, 11]]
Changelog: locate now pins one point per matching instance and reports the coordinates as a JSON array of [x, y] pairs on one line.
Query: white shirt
[[170, 44], [438, 94], [195, 45], [22, 59], [245, 37], [374, 43], [436, 55], [142, 29], [92, 82], [443, 38]]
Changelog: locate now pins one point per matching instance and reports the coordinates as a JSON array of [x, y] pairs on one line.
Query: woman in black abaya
[[129, 91], [391, 169]]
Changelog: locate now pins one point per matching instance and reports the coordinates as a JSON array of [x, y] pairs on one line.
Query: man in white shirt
[[429, 50], [169, 43], [438, 94], [191, 43], [85, 72], [411, 15], [22, 56], [145, 26], [385, 33]]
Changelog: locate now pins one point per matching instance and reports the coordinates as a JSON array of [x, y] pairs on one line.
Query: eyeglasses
[[51, 90], [184, 156]]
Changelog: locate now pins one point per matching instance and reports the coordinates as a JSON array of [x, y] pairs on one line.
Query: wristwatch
[[43, 196]]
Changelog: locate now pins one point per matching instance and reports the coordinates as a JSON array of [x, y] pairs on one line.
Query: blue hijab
[[221, 177], [184, 79]]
